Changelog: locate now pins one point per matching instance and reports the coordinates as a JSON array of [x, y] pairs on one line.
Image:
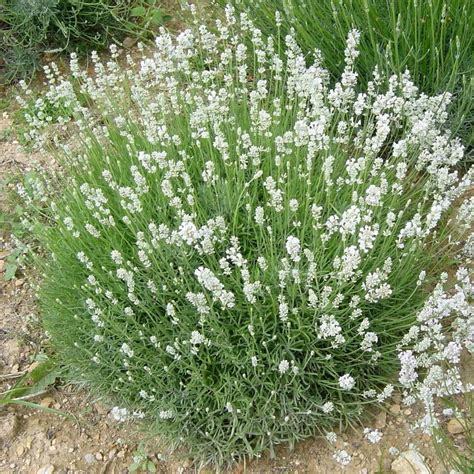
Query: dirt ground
[[91, 441]]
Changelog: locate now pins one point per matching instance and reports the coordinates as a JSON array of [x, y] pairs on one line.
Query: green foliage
[[29, 29], [11, 266], [433, 39], [35, 382], [141, 462]]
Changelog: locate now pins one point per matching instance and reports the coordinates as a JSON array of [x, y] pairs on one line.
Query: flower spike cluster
[[238, 248]]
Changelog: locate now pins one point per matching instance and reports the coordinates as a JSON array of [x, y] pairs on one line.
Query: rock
[[10, 351], [89, 458], [8, 427], [47, 402], [128, 42], [49, 469], [455, 426], [397, 397], [98, 456], [410, 462], [407, 412], [27, 442], [381, 420], [395, 409]]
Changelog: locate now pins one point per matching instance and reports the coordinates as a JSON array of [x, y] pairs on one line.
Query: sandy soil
[[33, 441]]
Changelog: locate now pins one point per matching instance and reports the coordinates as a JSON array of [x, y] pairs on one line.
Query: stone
[[381, 420], [410, 462], [395, 409], [10, 351], [49, 469], [47, 402], [89, 458], [455, 426], [129, 42], [8, 427]]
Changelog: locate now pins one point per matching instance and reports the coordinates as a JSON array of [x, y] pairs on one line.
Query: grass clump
[[240, 245], [29, 29], [432, 39]]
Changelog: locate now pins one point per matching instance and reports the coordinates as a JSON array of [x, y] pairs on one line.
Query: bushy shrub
[[29, 28], [241, 246], [432, 39]]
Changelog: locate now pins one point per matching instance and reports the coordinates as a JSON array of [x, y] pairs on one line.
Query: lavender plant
[[241, 246]]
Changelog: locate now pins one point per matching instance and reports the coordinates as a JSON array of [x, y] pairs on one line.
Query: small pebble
[[89, 458], [395, 409], [49, 469], [455, 426]]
